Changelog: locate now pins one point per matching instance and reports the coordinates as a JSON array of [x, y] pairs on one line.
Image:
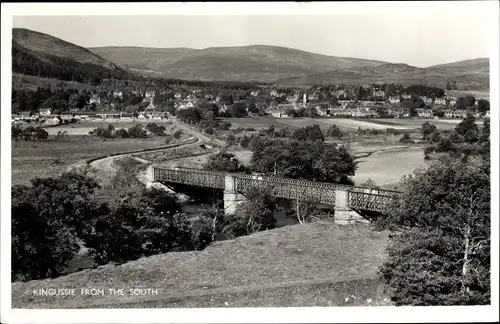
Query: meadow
[[50, 157], [345, 124], [84, 127]]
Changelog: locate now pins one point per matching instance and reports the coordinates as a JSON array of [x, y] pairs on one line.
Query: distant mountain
[[478, 62], [247, 63], [471, 74], [39, 54]]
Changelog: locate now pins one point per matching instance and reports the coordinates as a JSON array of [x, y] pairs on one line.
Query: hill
[[318, 264], [247, 63], [474, 75], [467, 64], [42, 55]]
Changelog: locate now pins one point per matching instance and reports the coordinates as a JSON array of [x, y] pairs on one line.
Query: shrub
[[177, 134], [209, 131]]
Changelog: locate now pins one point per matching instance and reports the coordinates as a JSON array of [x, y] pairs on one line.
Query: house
[[94, 99], [141, 116], [150, 95], [286, 107], [181, 106], [189, 104], [118, 94], [394, 99], [378, 94], [424, 113], [44, 111], [426, 100], [254, 93], [209, 97], [274, 93], [440, 101], [54, 121], [127, 115], [406, 96], [312, 96], [455, 113], [279, 113], [339, 92], [452, 100], [367, 102], [177, 95]]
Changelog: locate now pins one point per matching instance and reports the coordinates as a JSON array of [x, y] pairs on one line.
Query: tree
[[238, 110], [205, 227], [465, 102], [255, 214], [140, 224], [370, 184], [483, 106], [137, 132], [224, 162], [467, 125], [47, 219], [121, 133], [442, 254], [155, 129], [16, 132], [427, 129], [405, 138], [334, 131]]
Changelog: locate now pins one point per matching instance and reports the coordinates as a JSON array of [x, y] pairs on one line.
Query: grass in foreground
[[315, 264]]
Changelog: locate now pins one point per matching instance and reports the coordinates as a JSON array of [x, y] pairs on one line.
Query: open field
[[257, 123], [290, 266], [84, 127], [49, 158], [478, 94], [346, 124]]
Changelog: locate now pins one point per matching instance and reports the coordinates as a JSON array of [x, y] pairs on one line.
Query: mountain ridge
[[255, 63]]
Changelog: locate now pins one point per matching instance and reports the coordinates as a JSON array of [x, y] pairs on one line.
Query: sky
[[416, 39]]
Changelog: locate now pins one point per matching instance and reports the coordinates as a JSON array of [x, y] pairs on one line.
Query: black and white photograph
[[250, 162]]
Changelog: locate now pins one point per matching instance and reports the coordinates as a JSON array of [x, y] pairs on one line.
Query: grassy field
[[257, 123], [319, 264], [346, 124], [84, 127], [49, 158], [478, 94]]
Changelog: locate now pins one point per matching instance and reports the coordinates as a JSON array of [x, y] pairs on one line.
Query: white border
[[247, 315]]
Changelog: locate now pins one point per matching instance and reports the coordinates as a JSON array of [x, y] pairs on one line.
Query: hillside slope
[[42, 55], [246, 63], [473, 76], [316, 264], [43, 43]]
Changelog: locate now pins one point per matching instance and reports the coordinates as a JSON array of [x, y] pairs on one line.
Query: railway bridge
[[349, 201]]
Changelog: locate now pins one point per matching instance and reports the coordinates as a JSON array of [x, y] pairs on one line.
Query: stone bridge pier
[[232, 198], [344, 214]]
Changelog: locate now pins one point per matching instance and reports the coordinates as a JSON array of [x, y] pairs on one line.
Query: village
[[340, 102]]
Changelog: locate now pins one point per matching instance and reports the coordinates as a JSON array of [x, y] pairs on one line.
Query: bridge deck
[[319, 192]]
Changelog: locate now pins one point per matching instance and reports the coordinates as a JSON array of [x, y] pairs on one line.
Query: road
[[107, 165]]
